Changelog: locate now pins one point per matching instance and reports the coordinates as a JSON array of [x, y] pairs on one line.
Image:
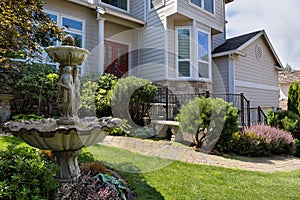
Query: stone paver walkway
[[174, 151]]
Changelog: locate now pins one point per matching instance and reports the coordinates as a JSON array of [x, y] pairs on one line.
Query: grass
[[156, 178]]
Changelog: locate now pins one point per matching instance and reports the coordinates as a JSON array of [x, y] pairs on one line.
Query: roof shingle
[[235, 42]]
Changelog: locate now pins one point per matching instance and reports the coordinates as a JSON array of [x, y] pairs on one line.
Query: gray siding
[[249, 68], [217, 40], [260, 75], [260, 97], [220, 75], [215, 21], [137, 8], [151, 46]]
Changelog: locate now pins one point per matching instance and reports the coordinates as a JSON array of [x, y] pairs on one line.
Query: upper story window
[[121, 4], [155, 4], [207, 5]]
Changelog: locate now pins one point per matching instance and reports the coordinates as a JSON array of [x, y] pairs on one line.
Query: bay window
[[193, 53], [203, 55], [183, 52]]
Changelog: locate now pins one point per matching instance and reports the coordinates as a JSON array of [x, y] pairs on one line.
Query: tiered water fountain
[[67, 135]]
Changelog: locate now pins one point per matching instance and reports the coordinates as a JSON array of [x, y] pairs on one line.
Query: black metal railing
[[167, 105]]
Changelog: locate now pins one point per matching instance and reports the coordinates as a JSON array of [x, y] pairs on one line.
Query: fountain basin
[[67, 55], [65, 141], [48, 135]]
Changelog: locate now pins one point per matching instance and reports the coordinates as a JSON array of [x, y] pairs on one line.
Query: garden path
[[176, 151]]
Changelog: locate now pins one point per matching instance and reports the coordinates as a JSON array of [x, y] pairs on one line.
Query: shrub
[[95, 94], [26, 173], [293, 98], [210, 121], [297, 145], [144, 132], [86, 157], [286, 120], [26, 117], [35, 84], [261, 140], [131, 98]]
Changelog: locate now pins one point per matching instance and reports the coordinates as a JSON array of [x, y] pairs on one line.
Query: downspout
[[100, 11]]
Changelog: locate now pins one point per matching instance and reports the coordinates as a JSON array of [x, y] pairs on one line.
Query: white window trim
[[202, 7], [155, 7], [116, 8], [83, 32], [209, 79], [176, 50]]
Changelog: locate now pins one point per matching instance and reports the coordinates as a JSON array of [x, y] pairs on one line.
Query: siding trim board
[[248, 84]]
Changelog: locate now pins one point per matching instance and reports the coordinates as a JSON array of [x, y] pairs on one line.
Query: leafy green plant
[[144, 132], [286, 120], [85, 157], [210, 121], [27, 174], [36, 84], [122, 130], [131, 99], [95, 94], [20, 117]]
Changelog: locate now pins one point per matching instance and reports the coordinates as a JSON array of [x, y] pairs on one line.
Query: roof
[[228, 1], [287, 77], [237, 44]]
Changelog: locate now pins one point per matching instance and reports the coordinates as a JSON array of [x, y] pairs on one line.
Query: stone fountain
[[67, 135]]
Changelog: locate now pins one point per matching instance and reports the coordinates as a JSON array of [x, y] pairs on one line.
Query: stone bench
[[165, 128]]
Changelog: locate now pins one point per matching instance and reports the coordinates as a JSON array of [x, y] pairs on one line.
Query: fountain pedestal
[[69, 168]]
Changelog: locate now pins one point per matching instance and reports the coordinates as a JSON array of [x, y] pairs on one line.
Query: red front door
[[115, 58]]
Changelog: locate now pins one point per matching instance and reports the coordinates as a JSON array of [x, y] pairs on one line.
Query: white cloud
[[280, 20]]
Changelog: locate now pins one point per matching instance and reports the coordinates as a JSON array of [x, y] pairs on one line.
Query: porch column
[[100, 11]]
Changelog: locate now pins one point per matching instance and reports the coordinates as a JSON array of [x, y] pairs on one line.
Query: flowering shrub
[[260, 140]]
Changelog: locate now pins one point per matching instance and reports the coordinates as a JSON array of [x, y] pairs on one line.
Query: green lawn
[[155, 178]]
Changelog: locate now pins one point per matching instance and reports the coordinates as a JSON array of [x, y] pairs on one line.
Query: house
[[248, 64], [179, 43], [286, 79]]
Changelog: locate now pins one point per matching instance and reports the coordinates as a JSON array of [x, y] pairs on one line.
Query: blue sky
[[280, 20]]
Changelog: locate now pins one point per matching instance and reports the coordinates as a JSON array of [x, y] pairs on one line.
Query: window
[[74, 27], [155, 4], [122, 4], [183, 52], [203, 55], [207, 5]]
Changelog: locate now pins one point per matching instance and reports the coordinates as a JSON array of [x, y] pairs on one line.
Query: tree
[[288, 67], [24, 29], [293, 98]]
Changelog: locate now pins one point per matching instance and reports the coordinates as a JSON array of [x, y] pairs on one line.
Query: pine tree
[[294, 98]]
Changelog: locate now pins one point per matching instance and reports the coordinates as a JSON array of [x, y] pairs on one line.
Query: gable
[[237, 45]]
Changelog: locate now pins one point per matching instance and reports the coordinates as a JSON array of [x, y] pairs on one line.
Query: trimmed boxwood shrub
[[26, 174], [210, 121], [262, 140], [131, 98]]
